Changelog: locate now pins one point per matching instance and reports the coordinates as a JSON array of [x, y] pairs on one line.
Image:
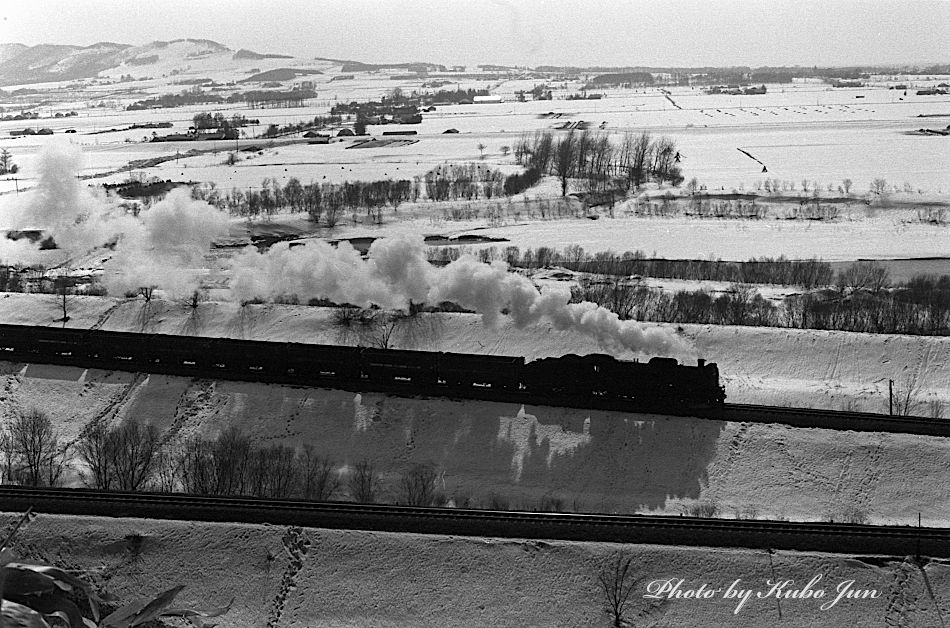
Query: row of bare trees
[[326, 201], [596, 163], [468, 181], [329, 201], [809, 273], [132, 457], [890, 311]]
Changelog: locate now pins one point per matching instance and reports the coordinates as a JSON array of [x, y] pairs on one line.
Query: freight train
[[659, 383]]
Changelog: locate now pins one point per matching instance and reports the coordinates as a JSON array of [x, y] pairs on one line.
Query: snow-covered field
[[317, 578], [590, 460], [801, 131]]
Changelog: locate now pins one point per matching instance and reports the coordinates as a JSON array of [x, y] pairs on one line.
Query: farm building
[[486, 100]]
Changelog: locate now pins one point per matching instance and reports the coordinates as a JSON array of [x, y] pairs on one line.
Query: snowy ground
[[316, 578], [811, 132]]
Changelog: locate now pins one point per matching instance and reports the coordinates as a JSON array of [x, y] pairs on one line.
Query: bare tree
[[617, 583], [319, 479], [38, 457], [871, 276], [417, 487], [133, 448], [664, 161], [9, 457], [363, 482], [384, 330], [6, 162], [273, 472], [62, 286], [196, 298], [168, 470], [93, 449], [906, 398], [639, 160], [285, 474], [232, 452], [565, 160], [196, 462], [123, 458]]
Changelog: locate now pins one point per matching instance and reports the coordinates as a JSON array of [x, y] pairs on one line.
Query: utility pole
[[890, 397]]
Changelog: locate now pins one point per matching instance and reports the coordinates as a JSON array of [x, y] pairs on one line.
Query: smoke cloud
[[396, 272], [61, 207], [160, 248], [166, 248]]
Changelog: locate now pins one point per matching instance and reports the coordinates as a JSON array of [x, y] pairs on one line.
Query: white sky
[[522, 32]]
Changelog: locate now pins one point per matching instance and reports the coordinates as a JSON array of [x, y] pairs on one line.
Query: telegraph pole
[[890, 397]]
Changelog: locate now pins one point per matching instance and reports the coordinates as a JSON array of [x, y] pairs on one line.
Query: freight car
[[657, 384]]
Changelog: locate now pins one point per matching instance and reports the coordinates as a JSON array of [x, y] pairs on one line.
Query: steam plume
[[61, 207], [166, 248], [397, 271], [160, 248]]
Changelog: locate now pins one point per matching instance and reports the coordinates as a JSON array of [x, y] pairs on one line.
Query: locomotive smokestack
[[700, 362]]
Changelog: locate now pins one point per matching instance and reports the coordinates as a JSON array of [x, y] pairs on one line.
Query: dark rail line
[[830, 419], [410, 374], [686, 531], [794, 417]]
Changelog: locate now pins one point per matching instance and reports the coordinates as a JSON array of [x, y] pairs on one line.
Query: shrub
[[706, 509], [418, 486]]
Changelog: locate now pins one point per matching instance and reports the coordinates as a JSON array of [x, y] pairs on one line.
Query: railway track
[[830, 419], [686, 531], [190, 358], [794, 417]]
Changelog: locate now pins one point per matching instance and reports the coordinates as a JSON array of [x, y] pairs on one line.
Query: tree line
[[596, 164], [810, 273], [132, 456], [919, 307], [327, 202]]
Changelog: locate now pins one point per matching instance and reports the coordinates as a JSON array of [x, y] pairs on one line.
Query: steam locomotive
[[659, 383]]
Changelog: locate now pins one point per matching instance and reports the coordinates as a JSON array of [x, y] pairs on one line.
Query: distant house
[[317, 138], [486, 100], [450, 131]]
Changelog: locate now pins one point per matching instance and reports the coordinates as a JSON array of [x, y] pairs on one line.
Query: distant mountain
[[47, 62], [8, 51], [43, 63]]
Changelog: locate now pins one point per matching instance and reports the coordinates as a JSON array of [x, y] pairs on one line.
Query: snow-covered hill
[[20, 64]]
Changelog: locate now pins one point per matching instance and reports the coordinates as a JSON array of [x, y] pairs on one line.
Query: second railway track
[[684, 531]]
